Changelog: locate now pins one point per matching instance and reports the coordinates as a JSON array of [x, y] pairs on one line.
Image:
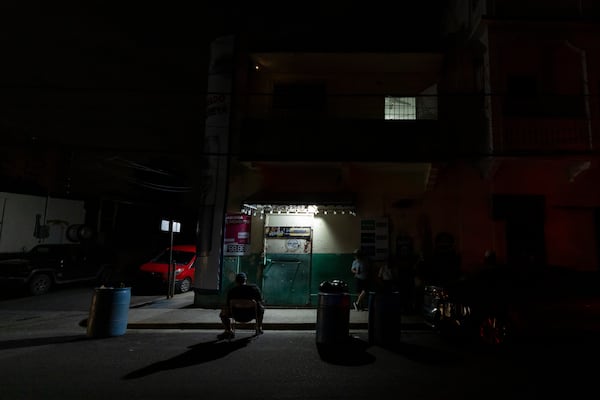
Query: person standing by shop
[[387, 276], [360, 270]]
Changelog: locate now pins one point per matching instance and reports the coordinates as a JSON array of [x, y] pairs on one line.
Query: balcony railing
[[543, 123], [341, 106], [340, 139], [443, 126], [544, 135]]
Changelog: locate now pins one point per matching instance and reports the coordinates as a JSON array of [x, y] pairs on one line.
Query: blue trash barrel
[[108, 312]]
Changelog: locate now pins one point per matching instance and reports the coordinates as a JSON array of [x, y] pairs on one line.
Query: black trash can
[[385, 317], [109, 312], [333, 314]]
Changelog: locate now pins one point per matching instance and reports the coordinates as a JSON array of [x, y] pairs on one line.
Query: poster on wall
[[299, 232], [237, 235], [374, 238]]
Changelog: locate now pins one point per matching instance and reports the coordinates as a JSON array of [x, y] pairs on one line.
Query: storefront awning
[[299, 203]]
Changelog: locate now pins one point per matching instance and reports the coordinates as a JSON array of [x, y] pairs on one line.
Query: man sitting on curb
[[242, 290]]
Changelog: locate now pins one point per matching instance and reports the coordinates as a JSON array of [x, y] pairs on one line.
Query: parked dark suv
[[47, 265]]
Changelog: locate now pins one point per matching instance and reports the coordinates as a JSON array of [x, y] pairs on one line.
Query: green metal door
[[286, 277]]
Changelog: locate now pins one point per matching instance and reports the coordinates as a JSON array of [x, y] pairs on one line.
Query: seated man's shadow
[[198, 354]]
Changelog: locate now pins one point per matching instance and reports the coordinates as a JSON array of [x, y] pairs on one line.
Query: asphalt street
[[46, 354], [278, 365], [186, 364]]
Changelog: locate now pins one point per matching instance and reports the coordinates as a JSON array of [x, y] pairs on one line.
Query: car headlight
[[178, 271]]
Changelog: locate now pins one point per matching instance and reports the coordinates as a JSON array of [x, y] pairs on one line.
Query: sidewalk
[[179, 312]]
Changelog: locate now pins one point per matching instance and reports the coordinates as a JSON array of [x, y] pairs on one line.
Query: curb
[[266, 326], [204, 325]]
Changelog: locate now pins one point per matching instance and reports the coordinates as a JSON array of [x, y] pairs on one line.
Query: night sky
[[87, 66], [115, 83], [141, 65]]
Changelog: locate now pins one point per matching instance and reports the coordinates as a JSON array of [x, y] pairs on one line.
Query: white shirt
[[359, 269]]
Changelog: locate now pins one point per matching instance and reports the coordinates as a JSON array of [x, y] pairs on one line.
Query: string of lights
[[259, 210]]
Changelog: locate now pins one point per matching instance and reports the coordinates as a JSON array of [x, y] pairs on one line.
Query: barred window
[[400, 108]]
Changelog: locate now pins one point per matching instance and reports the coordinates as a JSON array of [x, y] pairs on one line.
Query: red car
[[156, 270]]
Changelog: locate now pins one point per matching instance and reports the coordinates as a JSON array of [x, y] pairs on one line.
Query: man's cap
[[241, 277]]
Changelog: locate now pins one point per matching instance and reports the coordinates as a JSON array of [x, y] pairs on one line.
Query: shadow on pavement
[[423, 354], [17, 343], [198, 354], [10, 292], [352, 352]]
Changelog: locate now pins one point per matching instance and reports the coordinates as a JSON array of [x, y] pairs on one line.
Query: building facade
[[531, 68], [328, 149], [427, 159]]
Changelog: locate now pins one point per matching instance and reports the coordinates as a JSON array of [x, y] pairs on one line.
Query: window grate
[[400, 108]]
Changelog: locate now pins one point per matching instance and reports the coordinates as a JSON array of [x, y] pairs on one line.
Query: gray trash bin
[[333, 313], [385, 317]]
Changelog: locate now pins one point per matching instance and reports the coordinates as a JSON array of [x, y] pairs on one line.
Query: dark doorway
[[597, 233], [524, 216]]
